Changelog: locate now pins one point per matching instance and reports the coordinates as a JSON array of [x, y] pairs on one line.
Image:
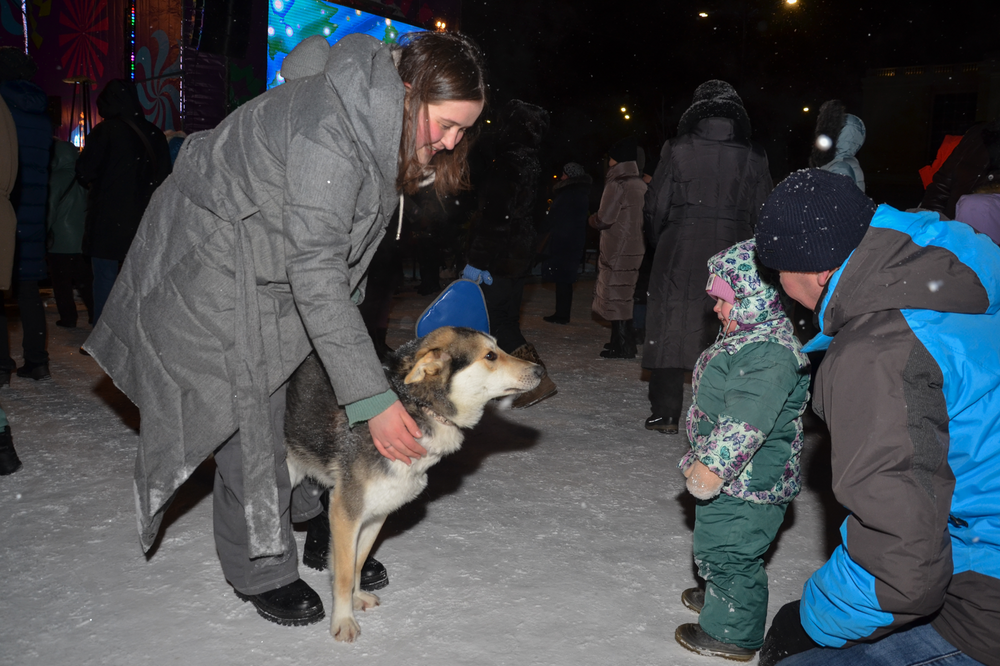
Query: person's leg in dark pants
[[564, 303], [34, 332], [666, 398], [503, 303], [61, 275], [105, 274]]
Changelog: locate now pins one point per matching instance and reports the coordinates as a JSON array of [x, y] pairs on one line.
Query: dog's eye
[[491, 356]]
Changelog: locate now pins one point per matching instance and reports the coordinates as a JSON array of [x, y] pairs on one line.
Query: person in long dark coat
[[124, 160], [566, 227], [27, 104], [503, 239], [704, 197]]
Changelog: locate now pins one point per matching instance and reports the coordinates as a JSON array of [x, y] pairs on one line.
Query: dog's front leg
[[365, 600], [344, 530]]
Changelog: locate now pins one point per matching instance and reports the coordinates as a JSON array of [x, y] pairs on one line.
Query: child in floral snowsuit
[[750, 389]]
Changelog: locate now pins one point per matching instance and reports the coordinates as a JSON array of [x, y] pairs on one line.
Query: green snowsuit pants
[[730, 538]]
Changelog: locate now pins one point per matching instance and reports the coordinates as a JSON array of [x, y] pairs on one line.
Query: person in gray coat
[[704, 197], [254, 252]]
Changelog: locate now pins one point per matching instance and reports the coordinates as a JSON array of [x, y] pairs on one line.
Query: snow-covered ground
[[560, 534]]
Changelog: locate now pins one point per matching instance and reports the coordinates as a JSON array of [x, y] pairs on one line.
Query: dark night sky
[[583, 60]]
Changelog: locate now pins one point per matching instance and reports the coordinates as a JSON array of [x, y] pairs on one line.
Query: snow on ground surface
[[560, 534]]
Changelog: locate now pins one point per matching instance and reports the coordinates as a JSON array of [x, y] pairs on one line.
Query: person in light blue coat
[[839, 137]]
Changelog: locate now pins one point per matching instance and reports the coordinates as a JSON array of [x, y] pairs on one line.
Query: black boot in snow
[[693, 637], [9, 462], [621, 346], [316, 553], [694, 598]]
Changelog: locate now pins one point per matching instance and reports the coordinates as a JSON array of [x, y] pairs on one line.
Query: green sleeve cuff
[[362, 410]]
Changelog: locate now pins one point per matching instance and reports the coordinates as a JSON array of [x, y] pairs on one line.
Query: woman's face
[[441, 126]]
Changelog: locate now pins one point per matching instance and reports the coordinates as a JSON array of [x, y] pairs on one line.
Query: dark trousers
[[105, 274], [33, 330], [69, 271], [503, 303], [666, 392], [564, 299]]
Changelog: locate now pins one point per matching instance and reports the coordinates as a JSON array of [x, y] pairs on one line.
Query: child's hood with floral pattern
[[757, 301]]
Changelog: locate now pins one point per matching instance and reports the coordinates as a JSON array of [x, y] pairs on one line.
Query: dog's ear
[[429, 364]]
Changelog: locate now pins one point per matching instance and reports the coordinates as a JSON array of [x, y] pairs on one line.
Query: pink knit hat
[[719, 288]]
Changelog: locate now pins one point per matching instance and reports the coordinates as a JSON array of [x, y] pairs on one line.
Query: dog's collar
[[437, 417]]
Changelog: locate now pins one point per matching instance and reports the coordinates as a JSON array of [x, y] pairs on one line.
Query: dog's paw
[[364, 600], [345, 629]]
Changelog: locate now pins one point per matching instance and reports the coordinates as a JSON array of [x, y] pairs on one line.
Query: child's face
[[722, 310]]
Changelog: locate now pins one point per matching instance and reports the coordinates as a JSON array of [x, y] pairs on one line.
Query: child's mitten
[[702, 482]]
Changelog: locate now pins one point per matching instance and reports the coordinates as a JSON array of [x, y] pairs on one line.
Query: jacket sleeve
[[612, 202], [657, 203], [88, 165], [759, 380], [888, 426], [322, 184], [940, 195], [762, 188]]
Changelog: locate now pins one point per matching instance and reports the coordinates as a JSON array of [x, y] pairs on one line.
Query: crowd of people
[[211, 266]]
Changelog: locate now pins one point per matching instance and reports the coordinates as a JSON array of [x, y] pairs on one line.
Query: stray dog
[[444, 381]]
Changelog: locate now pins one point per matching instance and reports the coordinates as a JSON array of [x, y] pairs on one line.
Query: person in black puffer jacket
[[124, 160], [503, 238], [708, 186]]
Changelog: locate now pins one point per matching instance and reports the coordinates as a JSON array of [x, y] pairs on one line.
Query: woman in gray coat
[[708, 186], [252, 254]]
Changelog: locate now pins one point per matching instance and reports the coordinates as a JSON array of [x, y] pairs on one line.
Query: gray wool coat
[[622, 246], [250, 254]]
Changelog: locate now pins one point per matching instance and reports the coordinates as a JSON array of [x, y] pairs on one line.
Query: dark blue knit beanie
[[812, 221]]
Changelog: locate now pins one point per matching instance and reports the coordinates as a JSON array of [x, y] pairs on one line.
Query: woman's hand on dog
[[393, 432]]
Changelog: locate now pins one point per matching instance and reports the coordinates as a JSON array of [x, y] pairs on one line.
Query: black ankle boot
[[316, 554], [292, 605], [9, 462], [620, 346]]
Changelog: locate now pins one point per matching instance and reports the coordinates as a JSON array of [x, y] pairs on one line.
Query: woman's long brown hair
[[440, 67]]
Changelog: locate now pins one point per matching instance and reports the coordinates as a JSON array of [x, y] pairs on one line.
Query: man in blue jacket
[[909, 308]]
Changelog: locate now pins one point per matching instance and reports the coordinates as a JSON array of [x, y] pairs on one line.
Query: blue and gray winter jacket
[[910, 389]]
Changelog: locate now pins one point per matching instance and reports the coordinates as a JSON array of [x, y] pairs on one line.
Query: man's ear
[[430, 364], [823, 277]]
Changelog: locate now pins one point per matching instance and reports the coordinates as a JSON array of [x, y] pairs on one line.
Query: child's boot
[[693, 598], [693, 637]]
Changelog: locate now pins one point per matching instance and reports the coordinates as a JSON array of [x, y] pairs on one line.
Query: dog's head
[[456, 371]]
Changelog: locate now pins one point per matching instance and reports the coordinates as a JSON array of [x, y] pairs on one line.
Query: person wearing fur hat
[[908, 307], [619, 219], [838, 138], [750, 389], [566, 229], [704, 196], [503, 237], [252, 254]]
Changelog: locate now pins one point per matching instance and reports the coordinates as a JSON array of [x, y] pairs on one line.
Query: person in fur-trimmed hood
[[749, 391], [704, 196], [503, 239], [838, 138]]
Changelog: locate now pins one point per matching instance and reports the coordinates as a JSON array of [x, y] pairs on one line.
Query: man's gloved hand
[[476, 275], [702, 482], [785, 637]]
